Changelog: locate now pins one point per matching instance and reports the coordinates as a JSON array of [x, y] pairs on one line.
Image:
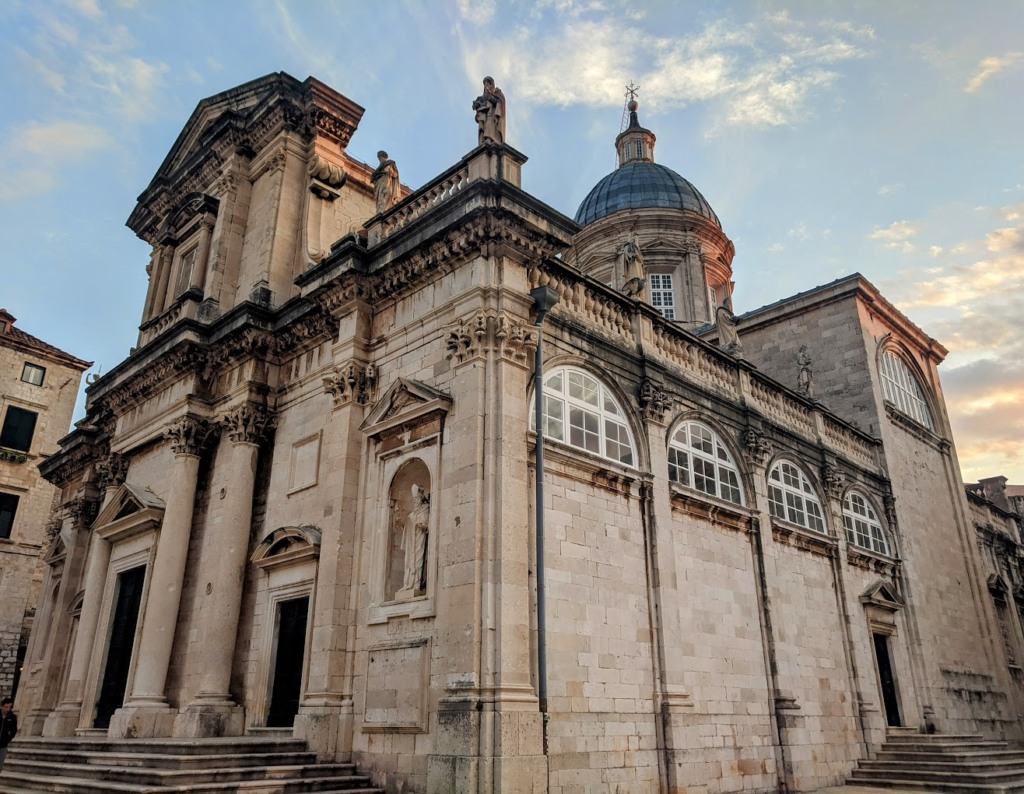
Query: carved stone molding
[[352, 381], [189, 435], [247, 424], [654, 402], [833, 480], [82, 511], [112, 470], [325, 174], [470, 337], [157, 375], [756, 446]]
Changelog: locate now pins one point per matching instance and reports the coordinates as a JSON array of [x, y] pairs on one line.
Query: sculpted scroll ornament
[[352, 381], [189, 435], [247, 424], [757, 446]]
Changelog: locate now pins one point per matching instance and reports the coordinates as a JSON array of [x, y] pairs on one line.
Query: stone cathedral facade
[[309, 488]]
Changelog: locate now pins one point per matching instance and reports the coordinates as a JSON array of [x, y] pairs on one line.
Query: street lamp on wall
[[544, 298]]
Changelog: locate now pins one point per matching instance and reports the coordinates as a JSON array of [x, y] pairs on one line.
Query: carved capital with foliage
[[352, 381], [82, 512], [189, 435], [247, 424], [112, 470], [833, 480], [654, 402], [756, 446]]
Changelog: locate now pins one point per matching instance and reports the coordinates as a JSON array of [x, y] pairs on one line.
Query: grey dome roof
[[642, 185]]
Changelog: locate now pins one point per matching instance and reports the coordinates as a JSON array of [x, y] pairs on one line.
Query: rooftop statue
[[490, 113], [631, 265], [728, 337], [385, 182]]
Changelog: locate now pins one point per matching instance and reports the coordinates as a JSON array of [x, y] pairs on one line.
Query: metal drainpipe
[[543, 299]]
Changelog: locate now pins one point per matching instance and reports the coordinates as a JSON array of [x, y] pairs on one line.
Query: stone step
[[949, 765], [12, 781], [957, 788], [984, 754], [158, 760], [233, 745], [928, 738], [961, 776], [104, 769]]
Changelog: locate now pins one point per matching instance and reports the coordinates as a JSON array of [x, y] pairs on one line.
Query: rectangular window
[[712, 301], [188, 264], [19, 425], [33, 374], [663, 297], [8, 507]]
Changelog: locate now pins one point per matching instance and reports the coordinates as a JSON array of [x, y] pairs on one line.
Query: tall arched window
[[792, 497], [580, 411], [698, 459], [901, 388], [862, 525]]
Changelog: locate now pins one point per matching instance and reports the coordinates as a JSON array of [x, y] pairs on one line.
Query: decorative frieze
[[352, 381], [189, 435], [247, 424]]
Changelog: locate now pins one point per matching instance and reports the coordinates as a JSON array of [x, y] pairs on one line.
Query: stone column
[[146, 713], [213, 712], [70, 714]]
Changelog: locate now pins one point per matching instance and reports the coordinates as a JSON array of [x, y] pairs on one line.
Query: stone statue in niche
[[385, 182], [490, 114], [805, 380], [631, 265], [728, 336], [414, 544]]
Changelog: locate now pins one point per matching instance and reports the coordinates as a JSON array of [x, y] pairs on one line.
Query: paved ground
[[871, 790]]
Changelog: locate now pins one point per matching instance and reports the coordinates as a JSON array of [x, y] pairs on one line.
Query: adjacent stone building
[[314, 484], [38, 387]]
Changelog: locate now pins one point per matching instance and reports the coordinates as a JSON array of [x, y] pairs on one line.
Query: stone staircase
[[944, 762], [161, 766]]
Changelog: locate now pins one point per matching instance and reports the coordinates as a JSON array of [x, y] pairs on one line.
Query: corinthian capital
[[189, 435], [247, 423]]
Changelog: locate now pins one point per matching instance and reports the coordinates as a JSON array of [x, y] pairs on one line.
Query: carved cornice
[[316, 324], [190, 435], [756, 446], [154, 377], [250, 343], [248, 423], [67, 466], [352, 381], [112, 470], [472, 336], [654, 402]]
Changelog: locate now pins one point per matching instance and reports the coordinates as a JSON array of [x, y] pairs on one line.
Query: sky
[[830, 138]]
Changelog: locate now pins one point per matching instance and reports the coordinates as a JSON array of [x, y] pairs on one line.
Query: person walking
[[8, 726]]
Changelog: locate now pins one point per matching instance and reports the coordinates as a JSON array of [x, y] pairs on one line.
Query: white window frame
[[663, 294], [712, 300], [793, 498], [698, 459], [600, 426], [30, 370], [863, 529], [903, 391]]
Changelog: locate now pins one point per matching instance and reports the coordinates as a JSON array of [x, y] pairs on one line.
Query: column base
[[327, 729], [63, 720], [142, 722], [206, 718]]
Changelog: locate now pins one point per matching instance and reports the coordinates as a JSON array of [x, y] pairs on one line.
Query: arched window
[[580, 411], [862, 525], [792, 497], [698, 459], [901, 388]]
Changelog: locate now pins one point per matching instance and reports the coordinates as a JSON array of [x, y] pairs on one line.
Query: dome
[[642, 185]]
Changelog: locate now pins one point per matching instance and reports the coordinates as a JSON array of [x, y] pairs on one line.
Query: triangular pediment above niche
[[130, 510], [406, 404], [997, 585], [883, 595]]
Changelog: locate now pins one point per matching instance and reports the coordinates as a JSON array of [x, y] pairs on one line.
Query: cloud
[[36, 153], [87, 8], [885, 190], [131, 84], [990, 67], [896, 235], [761, 74]]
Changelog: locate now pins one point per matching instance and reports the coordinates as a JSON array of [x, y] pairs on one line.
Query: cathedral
[[306, 505]]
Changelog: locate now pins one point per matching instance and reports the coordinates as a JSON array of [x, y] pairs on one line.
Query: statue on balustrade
[[385, 182], [490, 113]]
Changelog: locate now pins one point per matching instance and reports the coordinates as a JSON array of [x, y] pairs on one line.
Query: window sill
[[915, 428], [869, 560], [9, 455], [710, 508], [799, 537]]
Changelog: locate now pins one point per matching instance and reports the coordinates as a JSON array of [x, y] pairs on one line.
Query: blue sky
[[830, 137]]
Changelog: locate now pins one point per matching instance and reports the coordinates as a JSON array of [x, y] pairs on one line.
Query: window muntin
[[862, 525], [663, 297], [792, 497], [902, 390], [8, 509], [19, 425], [698, 459], [580, 411], [33, 373]]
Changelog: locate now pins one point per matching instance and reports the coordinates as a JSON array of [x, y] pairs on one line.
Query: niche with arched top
[[406, 575]]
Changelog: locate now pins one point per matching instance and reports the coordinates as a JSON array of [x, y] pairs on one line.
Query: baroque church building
[[305, 504]]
